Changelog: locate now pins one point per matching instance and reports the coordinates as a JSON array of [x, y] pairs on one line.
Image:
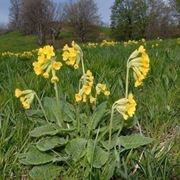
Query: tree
[[128, 19], [14, 14], [175, 4], [82, 16], [58, 20], [36, 17], [162, 19]]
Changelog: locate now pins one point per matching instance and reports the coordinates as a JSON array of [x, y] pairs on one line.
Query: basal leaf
[[97, 115], [48, 129], [45, 172], [96, 156], [134, 141], [76, 148], [35, 157], [53, 109], [48, 143]]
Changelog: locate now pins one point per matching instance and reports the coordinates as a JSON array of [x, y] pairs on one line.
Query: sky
[[103, 7]]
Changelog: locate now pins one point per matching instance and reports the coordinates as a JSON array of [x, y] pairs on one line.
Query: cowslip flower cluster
[[130, 42], [26, 97], [72, 55], [47, 64], [102, 88], [85, 92], [139, 62], [126, 106], [108, 43], [23, 55], [92, 45]]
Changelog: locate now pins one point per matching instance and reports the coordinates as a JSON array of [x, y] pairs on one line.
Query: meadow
[[157, 115]]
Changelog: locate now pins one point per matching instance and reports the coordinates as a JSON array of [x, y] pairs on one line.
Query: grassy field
[[158, 110], [16, 42]]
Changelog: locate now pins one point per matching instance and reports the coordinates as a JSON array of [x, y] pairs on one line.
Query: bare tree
[[162, 21], [83, 17], [58, 20], [14, 14], [36, 17]]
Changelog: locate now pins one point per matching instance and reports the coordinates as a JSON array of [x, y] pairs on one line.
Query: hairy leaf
[[97, 115], [76, 148], [45, 172], [53, 109], [35, 157], [48, 129], [96, 155], [134, 141], [48, 143]]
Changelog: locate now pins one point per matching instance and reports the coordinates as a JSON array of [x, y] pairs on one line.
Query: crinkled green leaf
[[48, 129], [48, 143], [53, 109], [45, 172], [134, 141], [96, 155], [98, 114], [76, 148], [35, 157], [68, 112]]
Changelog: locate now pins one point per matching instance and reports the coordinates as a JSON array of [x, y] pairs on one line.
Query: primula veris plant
[[80, 140]]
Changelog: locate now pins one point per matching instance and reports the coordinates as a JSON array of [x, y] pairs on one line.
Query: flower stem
[[127, 79], [82, 62], [110, 128], [39, 101], [56, 92]]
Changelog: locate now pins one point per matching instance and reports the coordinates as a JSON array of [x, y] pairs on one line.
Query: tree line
[[46, 19], [130, 19], [134, 19]]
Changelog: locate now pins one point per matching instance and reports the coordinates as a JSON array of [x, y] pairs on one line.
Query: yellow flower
[[18, 93], [126, 106], [78, 97], [26, 97], [56, 65], [102, 88], [106, 93], [54, 79], [139, 62], [86, 89], [72, 55], [87, 83], [92, 99], [46, 63], [46, 75]]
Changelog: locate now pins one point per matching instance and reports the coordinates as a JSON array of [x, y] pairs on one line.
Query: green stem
[[56, 92], [39, 101], [127, 79], [82, 62], [110, 129]]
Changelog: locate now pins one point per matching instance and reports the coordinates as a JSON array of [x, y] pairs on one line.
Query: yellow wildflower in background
[[126, 106], [139, 62], [26, 97], [46, 64], [108, 43], [72, 55]]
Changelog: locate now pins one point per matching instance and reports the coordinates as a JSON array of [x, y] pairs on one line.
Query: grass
[[16, 42], [157, 111]]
